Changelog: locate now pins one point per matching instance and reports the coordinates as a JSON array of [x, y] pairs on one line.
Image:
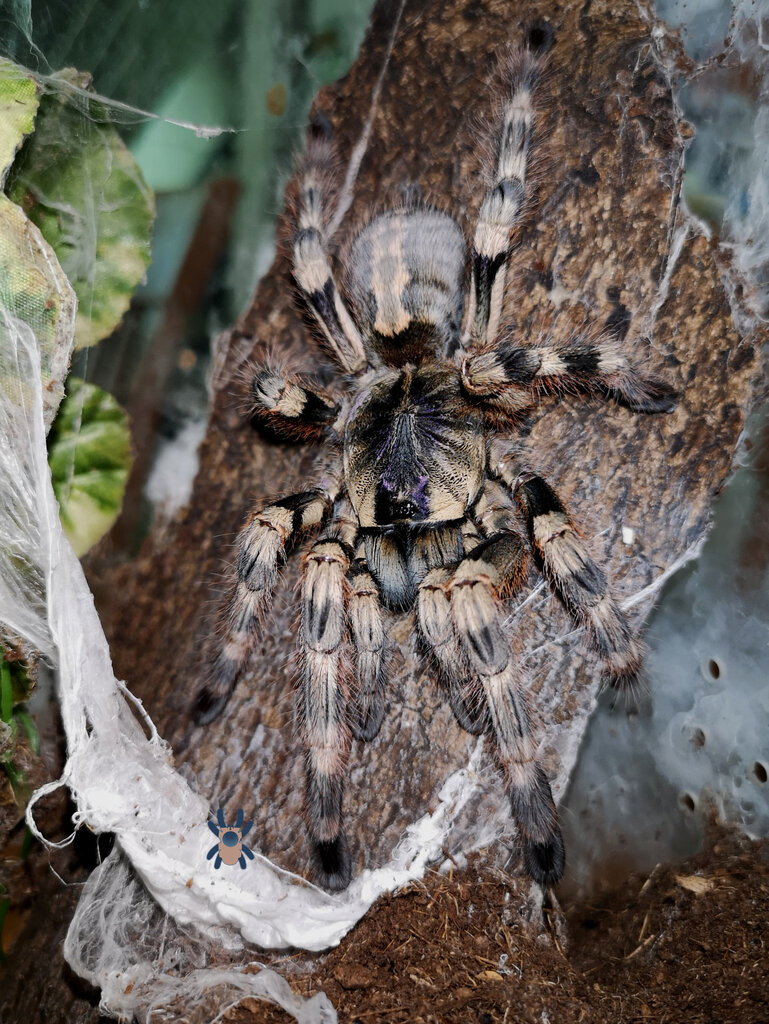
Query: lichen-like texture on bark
[[607, 243]]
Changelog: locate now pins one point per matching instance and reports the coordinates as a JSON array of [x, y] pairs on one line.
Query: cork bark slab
[[608, 243]]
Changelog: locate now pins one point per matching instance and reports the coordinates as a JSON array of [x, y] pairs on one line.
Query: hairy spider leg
[[312, 265], [459, 684], [564, 560], [367, 704], [468, 604], [262, 548], [494, 513], [580, 581], [505, 202], [505, 374], [290, 407], [324, 691]]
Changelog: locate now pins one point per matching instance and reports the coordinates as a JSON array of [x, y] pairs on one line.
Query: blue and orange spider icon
[[230, 849]]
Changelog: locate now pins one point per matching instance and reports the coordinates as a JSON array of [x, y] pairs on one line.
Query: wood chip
[[351, 976], [695, 883]]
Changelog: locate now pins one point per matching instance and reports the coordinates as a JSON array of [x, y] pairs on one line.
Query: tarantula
[[430, 507]]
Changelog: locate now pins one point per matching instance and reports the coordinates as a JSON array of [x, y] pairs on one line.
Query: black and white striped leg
[[262, 548], [324, 693], [289, 406], [582, 584], [504, 203], [505, 375], [367, 706], [468, 622], [460, 685], [312, 266]]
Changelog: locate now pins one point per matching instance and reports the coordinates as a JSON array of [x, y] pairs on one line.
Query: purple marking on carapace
[[419, 497]]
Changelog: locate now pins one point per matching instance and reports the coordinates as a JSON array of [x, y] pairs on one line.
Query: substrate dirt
[[685, 945]]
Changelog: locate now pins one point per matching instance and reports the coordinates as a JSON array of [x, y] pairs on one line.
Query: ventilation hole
[[697, 738], [540, 36], [687, 802], [759, 772], [713, 671]]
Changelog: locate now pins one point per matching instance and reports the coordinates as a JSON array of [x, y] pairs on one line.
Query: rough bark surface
[[608, 242]]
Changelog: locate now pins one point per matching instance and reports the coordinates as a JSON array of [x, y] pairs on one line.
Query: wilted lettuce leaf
[[77, 181], [33, 287], [18, 104], [89, 453]]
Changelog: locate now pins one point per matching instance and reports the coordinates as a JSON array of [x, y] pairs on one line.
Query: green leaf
[[15, 776], [89, 452], [33, 287], [77, 181], [24, 719], [6, 692], [22, 679], [18, 106]]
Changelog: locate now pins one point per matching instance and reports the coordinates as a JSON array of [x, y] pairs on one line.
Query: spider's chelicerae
[[428, 504]]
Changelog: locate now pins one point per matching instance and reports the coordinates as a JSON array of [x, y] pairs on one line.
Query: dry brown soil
[[685, 945]]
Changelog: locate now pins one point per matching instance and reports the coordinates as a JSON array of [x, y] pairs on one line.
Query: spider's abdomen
[[405, 280], [415, 454]]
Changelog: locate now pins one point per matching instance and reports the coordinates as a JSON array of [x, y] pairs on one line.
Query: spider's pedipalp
[[324, 693], [312, 266], [505, 201], [263, 543], [289, 406]]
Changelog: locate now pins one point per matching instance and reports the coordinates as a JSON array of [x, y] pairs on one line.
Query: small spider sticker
[[230, 848]]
